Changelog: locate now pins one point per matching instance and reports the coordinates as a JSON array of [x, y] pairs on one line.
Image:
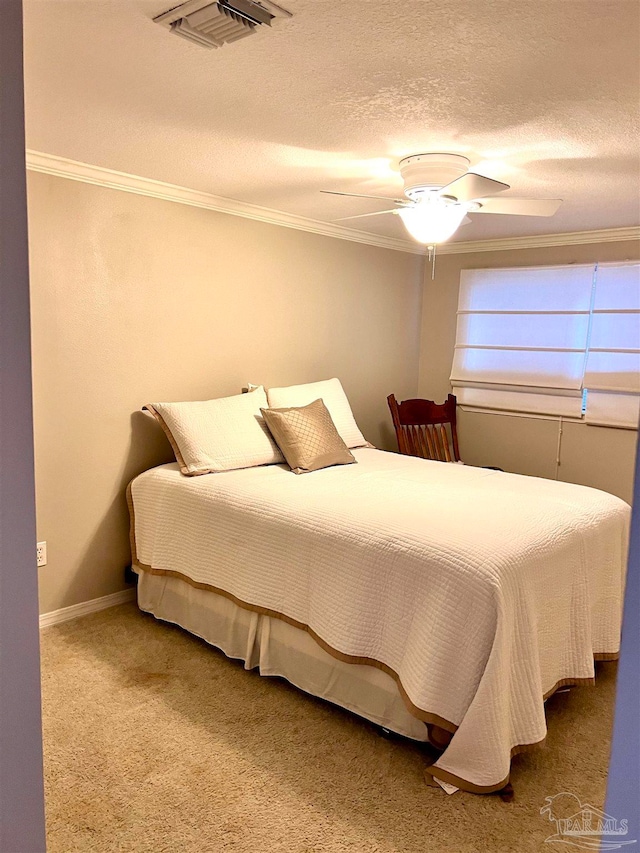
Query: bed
[[440, 601]]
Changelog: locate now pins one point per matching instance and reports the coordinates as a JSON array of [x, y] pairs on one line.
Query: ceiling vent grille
[[212, 25]]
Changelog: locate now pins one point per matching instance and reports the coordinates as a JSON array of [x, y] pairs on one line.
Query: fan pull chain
[[432, 258]]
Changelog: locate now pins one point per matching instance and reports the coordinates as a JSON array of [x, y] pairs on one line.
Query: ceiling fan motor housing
[[423, 173]]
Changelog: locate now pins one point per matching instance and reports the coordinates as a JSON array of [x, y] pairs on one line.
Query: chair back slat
[[424, 450], [415, 435], [427, 429], [403, 445], [439, 454], [445, 443], [411, 449], [428, 442], [409, 440]]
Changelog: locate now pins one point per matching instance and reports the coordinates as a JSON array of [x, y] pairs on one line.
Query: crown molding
[[571, 238], [50, 164], [62, 167]]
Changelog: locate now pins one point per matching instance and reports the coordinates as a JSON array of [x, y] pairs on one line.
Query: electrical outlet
[[42, 553]]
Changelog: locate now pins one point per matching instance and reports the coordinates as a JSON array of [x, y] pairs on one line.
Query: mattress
[[478, 592]]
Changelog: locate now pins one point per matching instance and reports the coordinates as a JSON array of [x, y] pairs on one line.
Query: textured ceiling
[[541, 94]]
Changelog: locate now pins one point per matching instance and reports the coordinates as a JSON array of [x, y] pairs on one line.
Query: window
[[533, 340], [612, 372]]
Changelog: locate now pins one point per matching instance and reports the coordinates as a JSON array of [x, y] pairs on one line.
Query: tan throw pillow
[[307, 437]]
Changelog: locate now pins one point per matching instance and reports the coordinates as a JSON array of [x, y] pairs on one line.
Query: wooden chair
[[426, 429]]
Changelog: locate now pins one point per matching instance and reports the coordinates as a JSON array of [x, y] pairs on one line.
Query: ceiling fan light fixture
[[432, 220], [440, 191]]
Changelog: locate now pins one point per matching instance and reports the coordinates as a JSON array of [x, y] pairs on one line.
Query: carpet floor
[[157, 743]]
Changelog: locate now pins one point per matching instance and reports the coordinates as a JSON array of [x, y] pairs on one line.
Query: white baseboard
[[85, 607]]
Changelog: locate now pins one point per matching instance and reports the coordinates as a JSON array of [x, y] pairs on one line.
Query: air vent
[[214, 24]]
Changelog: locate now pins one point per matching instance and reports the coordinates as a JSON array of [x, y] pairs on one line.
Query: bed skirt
[[278, 648]]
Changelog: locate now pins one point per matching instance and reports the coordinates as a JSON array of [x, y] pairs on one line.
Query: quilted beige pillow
[[218, 435], [307, 437]]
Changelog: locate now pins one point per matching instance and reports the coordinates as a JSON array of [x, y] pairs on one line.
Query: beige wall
[[136, 299], [592, 456]]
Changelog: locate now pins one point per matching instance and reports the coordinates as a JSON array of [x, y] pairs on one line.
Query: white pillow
[[218, 435], [331, 392]]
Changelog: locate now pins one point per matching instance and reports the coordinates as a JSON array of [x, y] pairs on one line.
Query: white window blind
[[522, 337], [612, 372], [533, 340]]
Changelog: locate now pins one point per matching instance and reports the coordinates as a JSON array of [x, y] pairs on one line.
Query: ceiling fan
[[440, 192]]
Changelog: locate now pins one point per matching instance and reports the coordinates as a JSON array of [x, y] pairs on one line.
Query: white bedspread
[[479, 590]]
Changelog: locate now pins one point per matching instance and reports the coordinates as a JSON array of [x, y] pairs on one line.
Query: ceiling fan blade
[[471, 186], [361, 195], [519, 206], [360, 215]]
